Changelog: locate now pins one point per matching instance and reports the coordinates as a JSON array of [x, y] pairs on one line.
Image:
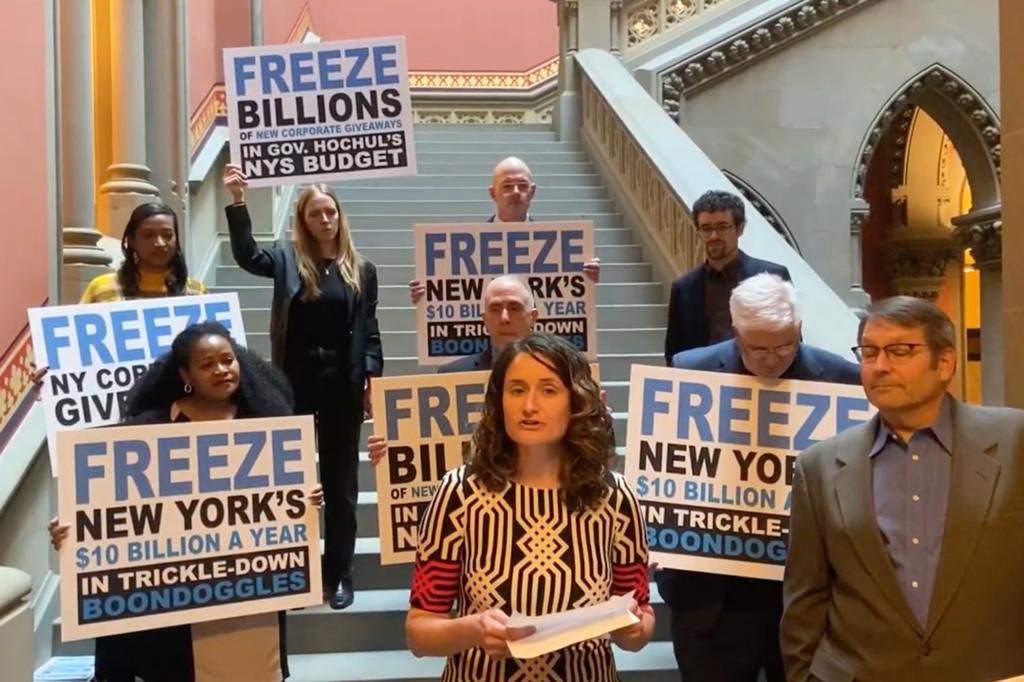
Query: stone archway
[[916, 261]]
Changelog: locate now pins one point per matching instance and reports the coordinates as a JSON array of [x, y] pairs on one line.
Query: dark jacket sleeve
[[374, 351], [248, 254], [674, 330]]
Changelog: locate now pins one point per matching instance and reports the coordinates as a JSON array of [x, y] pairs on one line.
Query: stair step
[[499, 149], [376, 621], [403, 255], [477, 191], [403, 343], [382, 230], [480, 182], [425, 209], [484, 166], [611, 273], [259, 295], [470, 154]]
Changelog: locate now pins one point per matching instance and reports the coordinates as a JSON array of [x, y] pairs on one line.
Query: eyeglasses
[[777, 351], [705, 231], [897, 353]]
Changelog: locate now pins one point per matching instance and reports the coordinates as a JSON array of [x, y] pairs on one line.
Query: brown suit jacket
[[845, 617]]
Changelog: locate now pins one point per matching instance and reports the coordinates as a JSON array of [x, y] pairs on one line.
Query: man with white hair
[[726, 627]]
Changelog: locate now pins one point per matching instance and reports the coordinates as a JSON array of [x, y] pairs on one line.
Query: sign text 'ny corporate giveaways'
[[456, 263], [313, 112], [711, 458], [186, 522], [94, 352]]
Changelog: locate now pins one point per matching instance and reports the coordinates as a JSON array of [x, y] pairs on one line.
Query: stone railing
[[16, 635], [645, 20], [659, 207], [655, 172]]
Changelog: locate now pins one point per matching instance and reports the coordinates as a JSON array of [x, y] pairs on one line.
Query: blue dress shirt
[[910, 486]]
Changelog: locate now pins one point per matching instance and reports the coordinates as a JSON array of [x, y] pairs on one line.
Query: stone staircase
[[367, 641]]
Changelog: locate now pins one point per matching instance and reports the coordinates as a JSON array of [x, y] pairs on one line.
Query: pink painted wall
[[212, 26], [441, 35], [23, 138]]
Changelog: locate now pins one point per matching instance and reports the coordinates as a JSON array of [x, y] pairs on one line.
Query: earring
[[188, 387]]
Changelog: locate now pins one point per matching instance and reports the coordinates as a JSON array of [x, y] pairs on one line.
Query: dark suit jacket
[[845, 615], [696, 599], [687, 314], [469, 363], [365, 354]]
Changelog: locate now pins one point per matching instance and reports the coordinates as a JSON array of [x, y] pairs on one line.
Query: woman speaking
[[535, 524]]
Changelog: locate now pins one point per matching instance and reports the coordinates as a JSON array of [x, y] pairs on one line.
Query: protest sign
[[428, 421], [94, 352], [456, 262], [711, 456], [186, 522], [313, 112]]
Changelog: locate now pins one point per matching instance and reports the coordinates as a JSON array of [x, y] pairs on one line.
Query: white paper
[[558, 630]]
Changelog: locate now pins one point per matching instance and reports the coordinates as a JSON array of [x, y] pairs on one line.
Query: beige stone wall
[[792, 126]]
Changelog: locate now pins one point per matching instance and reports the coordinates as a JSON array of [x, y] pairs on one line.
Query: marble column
[[166, 107], [82, 256], [981, 232], [859, 212], [128, 177], [566, 115], [1011, 91]]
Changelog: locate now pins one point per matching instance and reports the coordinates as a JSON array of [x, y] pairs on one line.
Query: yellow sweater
[[106, 288]]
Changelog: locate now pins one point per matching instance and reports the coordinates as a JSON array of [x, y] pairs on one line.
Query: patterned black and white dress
[[522, 550]]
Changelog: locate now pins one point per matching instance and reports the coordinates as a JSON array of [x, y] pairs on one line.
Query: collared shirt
[[910, 484], [718, 286]]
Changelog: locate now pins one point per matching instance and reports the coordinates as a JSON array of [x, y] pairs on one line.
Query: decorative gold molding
[[485, 80], [15, 382], [303, 25], [213, 110]]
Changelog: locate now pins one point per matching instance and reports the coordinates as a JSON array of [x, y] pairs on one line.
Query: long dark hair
[[589, 441], [128, 274], [262, 390]]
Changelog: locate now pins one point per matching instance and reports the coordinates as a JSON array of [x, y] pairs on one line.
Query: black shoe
[[343, 596]]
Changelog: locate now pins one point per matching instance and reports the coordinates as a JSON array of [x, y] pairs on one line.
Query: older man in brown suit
[[906, 555]]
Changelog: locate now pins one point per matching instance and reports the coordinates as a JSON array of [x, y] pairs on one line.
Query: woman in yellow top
[[153, 263]]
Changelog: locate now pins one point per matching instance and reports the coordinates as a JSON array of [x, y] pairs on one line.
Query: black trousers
[[322, 389], [743, 641]]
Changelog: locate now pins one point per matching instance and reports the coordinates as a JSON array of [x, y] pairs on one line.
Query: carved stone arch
[[969, 122], [764, 207]]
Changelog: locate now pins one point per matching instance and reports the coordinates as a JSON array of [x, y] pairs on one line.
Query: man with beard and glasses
[[698, 309]]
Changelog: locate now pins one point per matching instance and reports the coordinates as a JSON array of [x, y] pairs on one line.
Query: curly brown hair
[[589, 440]]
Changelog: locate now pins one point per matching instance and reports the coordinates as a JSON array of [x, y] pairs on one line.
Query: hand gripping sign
[[94, 352], [711, 455], [317, 112], [186, 522], [456, 263]]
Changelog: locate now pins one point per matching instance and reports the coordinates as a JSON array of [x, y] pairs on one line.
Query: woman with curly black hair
[[205, 376], [153, 263], [536, 523]]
